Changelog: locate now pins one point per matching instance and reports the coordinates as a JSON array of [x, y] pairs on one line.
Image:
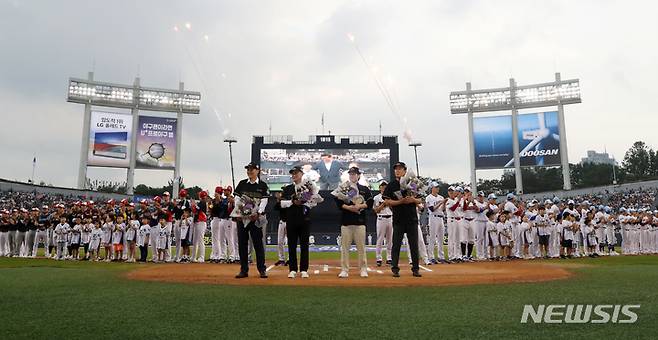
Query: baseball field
[[42, 298]]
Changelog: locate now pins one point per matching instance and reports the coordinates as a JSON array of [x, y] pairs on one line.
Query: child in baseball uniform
[[84, 236], [526, 236], [568, 227], [61, 231], [95, 241], [117, 238], [589, 229], [505, 237], [142, 240], [106, 238], [76, 232], [186, 229], [492, 234], [163, 239], [131, 235]]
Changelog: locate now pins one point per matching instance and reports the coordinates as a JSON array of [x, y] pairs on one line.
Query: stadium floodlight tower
[[556, 93], [134, 97]]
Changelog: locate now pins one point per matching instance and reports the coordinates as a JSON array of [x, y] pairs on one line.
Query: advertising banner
[[109, 139], [156, 143]]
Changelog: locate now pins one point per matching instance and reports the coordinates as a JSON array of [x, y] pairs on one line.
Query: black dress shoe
[[263, 275], [396, 274], [241, 275], [416, 274]]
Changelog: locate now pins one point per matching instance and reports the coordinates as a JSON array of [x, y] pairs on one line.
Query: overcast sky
[[286, 62]]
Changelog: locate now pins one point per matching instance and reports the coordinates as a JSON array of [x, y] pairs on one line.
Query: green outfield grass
[[42, 298]]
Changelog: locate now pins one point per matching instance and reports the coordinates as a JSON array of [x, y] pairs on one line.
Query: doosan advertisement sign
[[539, 140]]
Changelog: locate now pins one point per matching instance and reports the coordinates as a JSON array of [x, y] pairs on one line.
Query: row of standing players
[[502, 231]]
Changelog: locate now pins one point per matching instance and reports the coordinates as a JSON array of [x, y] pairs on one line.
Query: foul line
[[427, 269]]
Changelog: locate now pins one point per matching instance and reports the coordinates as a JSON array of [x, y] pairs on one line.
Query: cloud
[[287, 63]]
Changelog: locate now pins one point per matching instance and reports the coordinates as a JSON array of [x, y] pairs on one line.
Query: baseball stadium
[[328, 170]]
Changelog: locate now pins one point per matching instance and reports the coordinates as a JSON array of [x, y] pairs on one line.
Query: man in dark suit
[[298, 223], [253, 188], [329, 171], [405, 219]]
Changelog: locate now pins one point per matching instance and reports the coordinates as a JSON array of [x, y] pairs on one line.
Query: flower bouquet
[[413, 186], [245, 207], [308, 193], [348, 192]]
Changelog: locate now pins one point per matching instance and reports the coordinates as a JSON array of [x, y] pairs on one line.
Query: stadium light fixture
[[521, 97], [125, 96]]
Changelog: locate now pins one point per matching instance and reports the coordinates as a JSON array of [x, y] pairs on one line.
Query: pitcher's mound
[[325, 273]]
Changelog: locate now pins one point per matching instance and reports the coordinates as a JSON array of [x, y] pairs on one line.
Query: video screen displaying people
[[328, 167]]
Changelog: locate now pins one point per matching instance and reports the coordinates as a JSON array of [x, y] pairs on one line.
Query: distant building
[[597, 158]]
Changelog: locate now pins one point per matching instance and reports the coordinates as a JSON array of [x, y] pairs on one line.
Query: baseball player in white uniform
[[454, 214], [384, 226], [435, 204], [481, 226], [514, 213], [467, 230]]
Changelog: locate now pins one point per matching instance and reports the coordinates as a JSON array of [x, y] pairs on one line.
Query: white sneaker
[[364, 273], [292, 274], [343, 274], [200, 260], [305, 275]]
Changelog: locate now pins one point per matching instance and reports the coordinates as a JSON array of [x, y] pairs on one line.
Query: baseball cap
[[467, 189], [460, 189], [219, 190], [400, 165], [252, 165], [451, 188], [492, 196], [510, 196], [481, 193], [571, 202], [354, 170], [295, 169]]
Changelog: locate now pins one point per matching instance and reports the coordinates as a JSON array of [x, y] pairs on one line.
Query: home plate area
[[325, 273]]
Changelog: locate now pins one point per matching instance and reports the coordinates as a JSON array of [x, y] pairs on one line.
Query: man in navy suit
[[329, 171]]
